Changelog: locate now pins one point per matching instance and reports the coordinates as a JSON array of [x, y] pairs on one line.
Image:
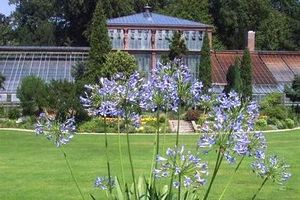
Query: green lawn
[[32, 168]]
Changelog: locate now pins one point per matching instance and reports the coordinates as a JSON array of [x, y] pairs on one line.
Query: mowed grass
[[33, 168]]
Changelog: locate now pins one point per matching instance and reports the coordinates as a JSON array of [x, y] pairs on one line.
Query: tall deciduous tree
[[204, 69], [246, 75], [177, 46], [34, 22], [233, 77], [196, 10], [100, 46]]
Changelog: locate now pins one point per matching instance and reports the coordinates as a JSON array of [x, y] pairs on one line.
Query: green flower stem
[[157, 135], [231, 178], [107, 158], [71, 172], [165, 130], [130, 158], [120, 151], [261, 186], [179, 188], [153, 162], [178, 123], [176, 144], [216, 169]]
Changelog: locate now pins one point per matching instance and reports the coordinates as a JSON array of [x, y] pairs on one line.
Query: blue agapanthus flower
[[104, 183], [272, 168], [182, 163], [59, 133]]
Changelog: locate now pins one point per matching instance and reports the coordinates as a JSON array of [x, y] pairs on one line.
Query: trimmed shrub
[[289, 123], [261, 124]]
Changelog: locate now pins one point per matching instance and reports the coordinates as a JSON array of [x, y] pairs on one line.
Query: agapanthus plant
[[229, 129], [272, 168], [60, 133], [185, 169], [119, 97]]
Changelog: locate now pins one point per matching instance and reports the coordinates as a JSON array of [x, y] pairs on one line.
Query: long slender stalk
[[179, 188], [120, 151], [130, 158], [72, 174], [231, 178], [157, 134], [259, 189], [178, 123], [153, 162], [107, 158], [217, 166], [165, 130], [176, 144]]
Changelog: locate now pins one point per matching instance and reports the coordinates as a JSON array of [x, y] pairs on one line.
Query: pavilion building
[[147, 36]]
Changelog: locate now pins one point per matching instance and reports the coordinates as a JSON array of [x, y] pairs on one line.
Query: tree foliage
[[2, 81], [120, 61], [6, 31], [32, 94], [246, 75], [100, 46], [293, 92], [64, 100], [196, 10], [177, 46], [39, 22], [233, 77], [204, 70]]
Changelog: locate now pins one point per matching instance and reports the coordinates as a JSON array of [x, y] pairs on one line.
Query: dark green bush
[[13, 113], [192, 115], [97, 125], [278, 112], [2, 112]]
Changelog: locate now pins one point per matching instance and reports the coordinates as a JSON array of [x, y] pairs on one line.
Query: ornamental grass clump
[[227, 132]]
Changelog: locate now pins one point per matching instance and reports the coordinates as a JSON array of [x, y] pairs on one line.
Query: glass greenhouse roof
[[47, 63]]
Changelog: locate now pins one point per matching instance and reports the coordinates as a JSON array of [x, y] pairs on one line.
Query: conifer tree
[[233, 77], [100, 46], [246, 75], [177, 46], [204, 69]]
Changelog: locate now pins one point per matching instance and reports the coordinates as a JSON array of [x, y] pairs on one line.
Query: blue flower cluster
[[104, 182], [183, 164], [167, 88], [59, 133], [272, 168], [232, 128]]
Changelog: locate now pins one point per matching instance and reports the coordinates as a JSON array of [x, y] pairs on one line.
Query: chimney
[[147, 11], [251, 40]]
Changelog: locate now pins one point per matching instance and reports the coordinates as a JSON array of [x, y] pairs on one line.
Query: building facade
[[147, 36]]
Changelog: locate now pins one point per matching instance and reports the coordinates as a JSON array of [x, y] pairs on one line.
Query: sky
[[5, 8]]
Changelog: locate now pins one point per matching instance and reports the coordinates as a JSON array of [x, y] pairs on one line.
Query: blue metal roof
[[154, 19]]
